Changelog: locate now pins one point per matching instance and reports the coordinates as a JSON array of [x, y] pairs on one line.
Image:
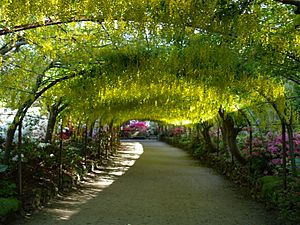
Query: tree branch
[[52, 83], [108, 35], [12, 45], [45, 23]]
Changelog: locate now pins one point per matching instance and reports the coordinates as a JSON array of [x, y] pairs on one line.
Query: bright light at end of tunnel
[[182, 122]]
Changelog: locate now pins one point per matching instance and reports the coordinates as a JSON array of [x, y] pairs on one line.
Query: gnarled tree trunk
[[231, 132], [205, 127], [17, 121], [53, 110]]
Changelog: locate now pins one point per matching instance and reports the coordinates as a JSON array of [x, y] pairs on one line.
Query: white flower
[[16, 157], [43, 145]]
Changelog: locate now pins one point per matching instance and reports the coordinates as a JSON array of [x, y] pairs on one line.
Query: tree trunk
[[207, 139], [285, 124], [111, 136], [232, 143], [78, 132], [91, 131], [224, 138], [9, 142], [50, 127], [231, 133], [100, 141], [12, 129], [20, 187], [24, 107], [198, 131], [60, 168], [250, 137], [218, 140], [53, 110], [292, 148], [284, 155], [85, 144]]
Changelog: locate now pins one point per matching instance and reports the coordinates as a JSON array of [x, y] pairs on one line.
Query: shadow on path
[[163, 187]]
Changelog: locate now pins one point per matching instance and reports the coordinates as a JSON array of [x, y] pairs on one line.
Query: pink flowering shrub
[[266, 153], [176, 131], [275, 147]]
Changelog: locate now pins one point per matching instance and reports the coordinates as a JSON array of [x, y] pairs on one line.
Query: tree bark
[[207, 139], [85, 144], [20, 186], [283, 132], [231, 133], [100, 141], [60, 168], [285, 124], [292, 148], [54, 111], [17, 121], [12, 45], [91, 131], [47, 22], [50, 127], [250, 131], [111, 136]]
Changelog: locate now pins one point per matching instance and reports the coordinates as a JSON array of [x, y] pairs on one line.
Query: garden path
[[164, 186]]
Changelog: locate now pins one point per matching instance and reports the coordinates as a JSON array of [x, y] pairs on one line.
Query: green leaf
[[3, 168]]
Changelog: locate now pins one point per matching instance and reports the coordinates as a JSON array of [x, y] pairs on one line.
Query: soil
[[164, 186]]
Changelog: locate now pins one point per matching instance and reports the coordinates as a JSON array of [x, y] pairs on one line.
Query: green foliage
[[3, 168], [287, 201], [73, 157], [41, 152], [270, 184], [7, 188], [181, 73], [176, 61], [8, 205], [196, 147]]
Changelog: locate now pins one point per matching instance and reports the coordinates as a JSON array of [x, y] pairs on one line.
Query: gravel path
[[163, 187]]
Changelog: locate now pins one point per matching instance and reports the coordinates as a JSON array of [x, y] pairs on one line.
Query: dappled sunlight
[[95, 182], [64, 214]]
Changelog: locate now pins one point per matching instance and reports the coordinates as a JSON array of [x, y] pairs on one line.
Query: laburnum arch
[[172, 61]]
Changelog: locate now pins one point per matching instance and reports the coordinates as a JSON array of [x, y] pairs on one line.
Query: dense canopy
[[228, 70], [173, 61]]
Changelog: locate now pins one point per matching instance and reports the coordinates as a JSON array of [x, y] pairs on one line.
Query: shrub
[[8, 205], [7, 188], [266, 155], [287, 201], [269, 184]]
